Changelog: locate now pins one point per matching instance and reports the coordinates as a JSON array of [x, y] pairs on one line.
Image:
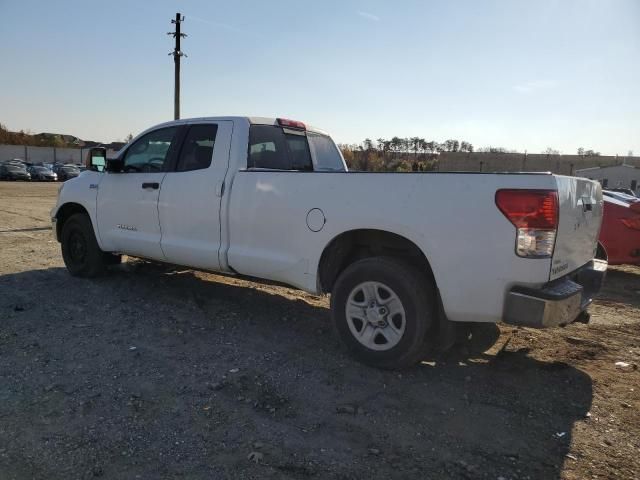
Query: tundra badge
[[127, 227]]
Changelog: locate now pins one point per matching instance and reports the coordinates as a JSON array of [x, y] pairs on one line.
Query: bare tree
[[466, 147], [415, 145], [451, 145]]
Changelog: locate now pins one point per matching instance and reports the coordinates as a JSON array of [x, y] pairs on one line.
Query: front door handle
[[154, 185]]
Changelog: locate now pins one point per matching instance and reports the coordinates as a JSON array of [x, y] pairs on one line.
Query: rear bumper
[[557, 303]]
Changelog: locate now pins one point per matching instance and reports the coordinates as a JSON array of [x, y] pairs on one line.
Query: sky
[[522, 75]]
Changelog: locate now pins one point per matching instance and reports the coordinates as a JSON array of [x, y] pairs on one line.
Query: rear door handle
[[154, 185], [220, 189]]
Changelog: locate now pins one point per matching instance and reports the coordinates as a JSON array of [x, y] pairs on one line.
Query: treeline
[[399, 154], [415, 154], [24, 138]]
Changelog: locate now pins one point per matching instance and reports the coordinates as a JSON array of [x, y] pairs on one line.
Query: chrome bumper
[[559, 302]]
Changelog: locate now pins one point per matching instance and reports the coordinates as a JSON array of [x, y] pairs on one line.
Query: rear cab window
[[280, 148]]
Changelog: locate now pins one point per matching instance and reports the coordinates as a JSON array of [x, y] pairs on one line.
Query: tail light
[[534, 213], [633, 223]]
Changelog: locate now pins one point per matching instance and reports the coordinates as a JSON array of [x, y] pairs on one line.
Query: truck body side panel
[[452, 218]]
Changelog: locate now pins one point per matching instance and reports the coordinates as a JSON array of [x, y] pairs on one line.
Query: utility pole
[[177, 53]]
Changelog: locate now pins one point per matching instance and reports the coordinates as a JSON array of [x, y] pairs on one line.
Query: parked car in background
[[620, 232], [42, 174], [16, 162], [66, 172], [624, 197], [628, 191], [12, 171]]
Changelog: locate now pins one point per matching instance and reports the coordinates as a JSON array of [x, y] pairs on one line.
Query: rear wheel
[[383, 310], [80, 251]]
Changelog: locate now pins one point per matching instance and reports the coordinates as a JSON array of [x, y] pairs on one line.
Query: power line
[[177, 53]]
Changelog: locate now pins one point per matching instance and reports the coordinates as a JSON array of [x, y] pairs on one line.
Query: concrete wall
[[46, 154], [623, 176], [519, 162]]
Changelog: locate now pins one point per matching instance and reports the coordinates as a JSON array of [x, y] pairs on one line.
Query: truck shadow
[[152, 349]]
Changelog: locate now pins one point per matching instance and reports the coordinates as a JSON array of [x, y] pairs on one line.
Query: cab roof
[[250, 120]]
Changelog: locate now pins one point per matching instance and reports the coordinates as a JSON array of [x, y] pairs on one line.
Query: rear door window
[[277, 148]]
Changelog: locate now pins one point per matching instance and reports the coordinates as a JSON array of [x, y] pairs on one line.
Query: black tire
[[417, 295], [80, 251]]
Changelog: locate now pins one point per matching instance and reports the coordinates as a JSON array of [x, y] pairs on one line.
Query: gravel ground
[[158, 372]]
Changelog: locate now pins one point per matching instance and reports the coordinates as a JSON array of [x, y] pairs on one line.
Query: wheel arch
[[352, 245], [65, 212]]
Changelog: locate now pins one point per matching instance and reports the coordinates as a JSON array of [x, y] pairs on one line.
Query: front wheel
[[383, 310], [80, 251]]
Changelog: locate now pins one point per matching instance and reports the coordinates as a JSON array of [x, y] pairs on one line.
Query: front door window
[[149, 154]]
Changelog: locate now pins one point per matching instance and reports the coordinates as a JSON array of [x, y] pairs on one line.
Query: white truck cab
[[404, 255]]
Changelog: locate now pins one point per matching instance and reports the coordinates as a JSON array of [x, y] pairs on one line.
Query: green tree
[[396, 145]]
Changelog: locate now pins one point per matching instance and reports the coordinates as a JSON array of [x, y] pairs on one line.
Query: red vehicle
[[620, 232]]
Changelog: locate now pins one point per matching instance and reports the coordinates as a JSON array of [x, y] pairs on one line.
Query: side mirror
[[114, 165], [97, 159]]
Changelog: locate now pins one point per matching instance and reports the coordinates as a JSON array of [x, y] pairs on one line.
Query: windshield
[[40, 169], [14, 168], [70, 169]]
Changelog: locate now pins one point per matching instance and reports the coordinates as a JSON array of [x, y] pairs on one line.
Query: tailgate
[[580, 209]]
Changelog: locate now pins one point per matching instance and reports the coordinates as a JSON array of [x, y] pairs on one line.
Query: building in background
[[614, 176]]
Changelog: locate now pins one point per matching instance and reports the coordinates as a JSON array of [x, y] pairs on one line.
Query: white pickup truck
[[405, 256]]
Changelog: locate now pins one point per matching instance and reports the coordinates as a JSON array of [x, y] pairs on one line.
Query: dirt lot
[[156, 372]]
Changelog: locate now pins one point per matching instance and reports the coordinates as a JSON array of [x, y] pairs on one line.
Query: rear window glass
[[276, 148], [299, 151], [325, 153]]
